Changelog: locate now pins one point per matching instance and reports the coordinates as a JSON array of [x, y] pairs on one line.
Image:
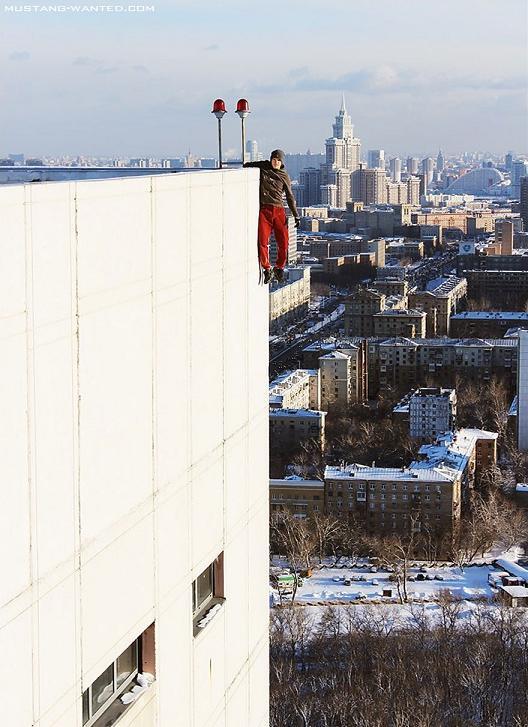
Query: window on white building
[[101, 703], [207, 591]]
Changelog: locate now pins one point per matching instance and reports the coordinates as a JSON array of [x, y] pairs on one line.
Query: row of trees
[[359, 667]]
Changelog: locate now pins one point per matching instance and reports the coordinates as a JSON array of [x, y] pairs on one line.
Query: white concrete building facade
[[522, 392], [134, 440]]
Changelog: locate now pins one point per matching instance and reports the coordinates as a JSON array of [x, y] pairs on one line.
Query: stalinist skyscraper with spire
[[343, 154]]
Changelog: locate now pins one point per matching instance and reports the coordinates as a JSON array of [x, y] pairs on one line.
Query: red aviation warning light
[[242, 108], [219, 108]]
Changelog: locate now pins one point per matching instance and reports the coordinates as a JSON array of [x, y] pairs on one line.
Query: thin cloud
[[298, 72], [214, 46], [19, 55], [106, 70], [85, 61], [140, 69], [386, 79]]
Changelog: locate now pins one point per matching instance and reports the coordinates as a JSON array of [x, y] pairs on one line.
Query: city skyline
[[449, 79]]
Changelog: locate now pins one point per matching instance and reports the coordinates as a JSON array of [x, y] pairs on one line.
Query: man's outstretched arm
[[254, 164], [291, 200]]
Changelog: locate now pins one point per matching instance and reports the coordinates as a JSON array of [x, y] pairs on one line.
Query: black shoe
[[268, 275], [279, 274]]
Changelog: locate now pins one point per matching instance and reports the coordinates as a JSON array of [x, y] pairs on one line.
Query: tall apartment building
[[340, 379], [343, 153], [396, 169], [134, 453], [413, 165], [432, 411], [289, 301], [403, 193], [308, 191], [504, 236], [295, 163], [428, 169], [369, 186], [522, 392], [376, 158], [523, 194], [519, 170], [292, 243]]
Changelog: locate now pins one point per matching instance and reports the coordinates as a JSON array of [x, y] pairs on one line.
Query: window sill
[[204, 617], [118, 710]]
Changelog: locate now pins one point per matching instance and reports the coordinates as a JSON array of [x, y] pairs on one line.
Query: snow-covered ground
[[328, 584]]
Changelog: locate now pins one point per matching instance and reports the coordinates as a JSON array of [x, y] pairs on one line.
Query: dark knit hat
[[277, 154]]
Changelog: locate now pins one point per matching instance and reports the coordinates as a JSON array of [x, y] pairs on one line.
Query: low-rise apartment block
[[401, 363], [487, 324], [290, 427], [496, 285], [397, 322], [360, 309], [425, 496], [299, 389], [387, 499], [289, 301], [391, 286], [440, 300], [429, 411], [301, 497]]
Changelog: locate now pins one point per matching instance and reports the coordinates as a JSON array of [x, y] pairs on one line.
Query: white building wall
[[522, 390], [134, 398]]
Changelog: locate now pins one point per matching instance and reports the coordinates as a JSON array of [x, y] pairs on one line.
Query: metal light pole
[[219, 110], [242, 110]]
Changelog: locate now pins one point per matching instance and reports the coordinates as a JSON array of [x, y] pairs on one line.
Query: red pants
[[272, 219]]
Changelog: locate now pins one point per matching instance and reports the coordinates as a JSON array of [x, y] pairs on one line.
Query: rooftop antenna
[[219, 110]]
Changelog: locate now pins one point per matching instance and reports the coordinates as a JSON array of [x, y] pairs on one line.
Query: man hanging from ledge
[[274, 181]]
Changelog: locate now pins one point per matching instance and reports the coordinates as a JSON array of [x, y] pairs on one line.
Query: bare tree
[[327, 533], [293, 539]]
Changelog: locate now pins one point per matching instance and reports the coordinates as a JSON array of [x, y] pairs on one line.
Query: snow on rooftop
[[402, 312], [291, 413], [490, 315], [512, 568], [336, 354], [443, 461], [515, 591], [294, 481], [443, 285], [404, 474]]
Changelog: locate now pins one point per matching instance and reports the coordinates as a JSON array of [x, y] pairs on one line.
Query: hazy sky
[[417, 75]]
